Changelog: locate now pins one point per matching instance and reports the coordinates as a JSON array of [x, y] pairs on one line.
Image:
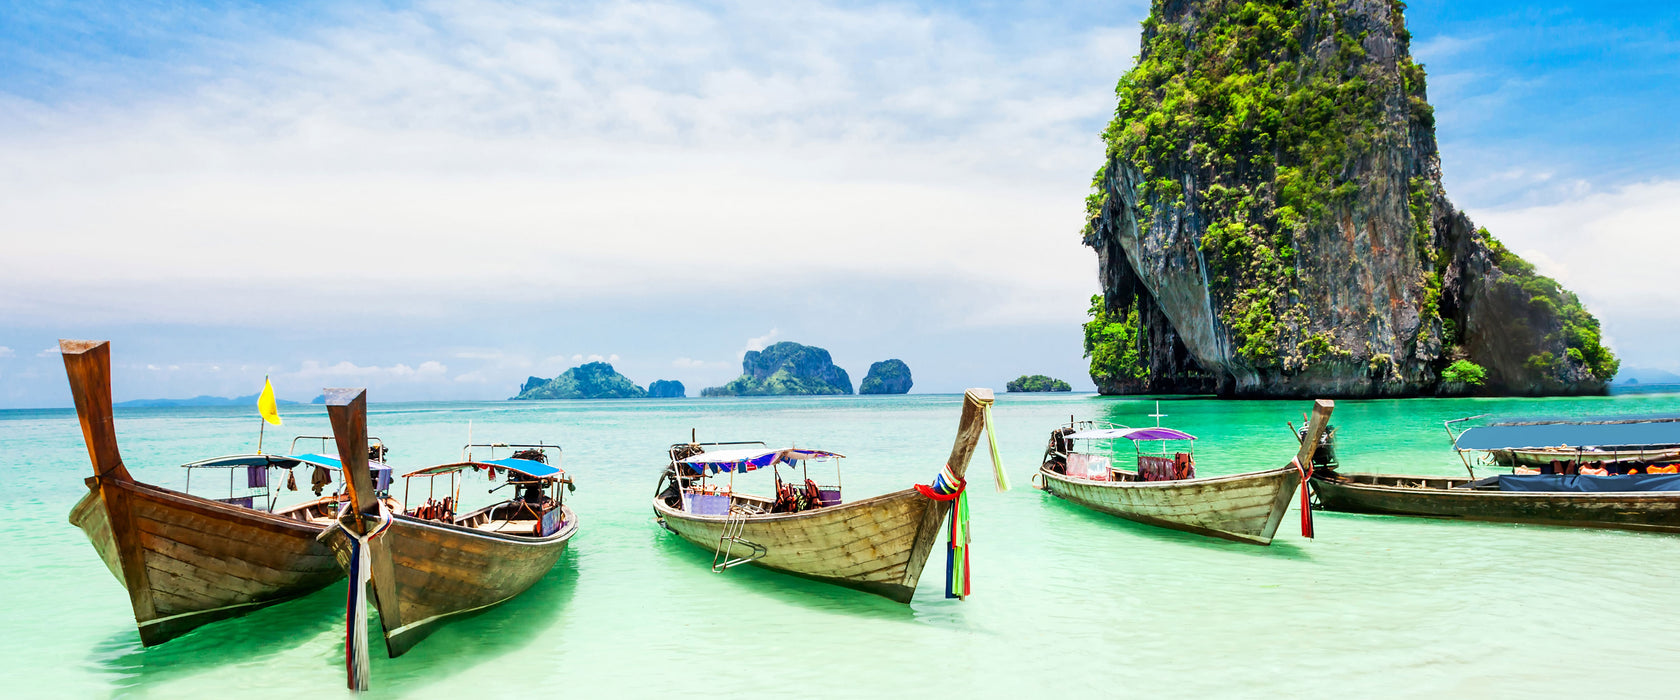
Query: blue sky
[[438, 199]]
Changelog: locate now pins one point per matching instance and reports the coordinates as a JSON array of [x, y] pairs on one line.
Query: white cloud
[[884, 140], [315, 370], [6, 352], [49, 352]]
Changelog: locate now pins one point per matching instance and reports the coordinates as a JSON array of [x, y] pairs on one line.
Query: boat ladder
[[723, 558]]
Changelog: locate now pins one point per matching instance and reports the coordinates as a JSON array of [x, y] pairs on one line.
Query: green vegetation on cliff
[[1281, 154], [785, 369], [1037, 382], [596, 380]]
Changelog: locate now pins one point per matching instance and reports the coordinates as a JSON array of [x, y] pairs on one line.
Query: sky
[[436, 200]]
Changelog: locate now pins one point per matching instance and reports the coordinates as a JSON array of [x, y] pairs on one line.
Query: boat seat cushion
[[1092, 467], [706, 503]]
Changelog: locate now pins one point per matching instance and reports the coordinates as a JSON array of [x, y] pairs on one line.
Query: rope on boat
[[355, 606], [1306, 500]]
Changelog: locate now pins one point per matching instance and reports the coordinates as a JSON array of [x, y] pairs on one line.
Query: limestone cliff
[[595, 380], [1270, 221], [786, 369], [887, 377]]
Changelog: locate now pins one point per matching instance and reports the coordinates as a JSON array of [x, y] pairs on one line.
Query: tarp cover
[[750, 458], [1586, 483], [1132, 434], [1505, 437]]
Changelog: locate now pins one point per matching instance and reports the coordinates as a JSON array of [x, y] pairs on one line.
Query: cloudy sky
[[439, 199]]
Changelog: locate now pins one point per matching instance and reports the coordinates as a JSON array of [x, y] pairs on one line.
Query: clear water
[[1066, 600]]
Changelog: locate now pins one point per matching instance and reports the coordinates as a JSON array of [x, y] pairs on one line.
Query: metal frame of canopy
[[274, 461], [781, 456], [552, 481], [1613, 438]]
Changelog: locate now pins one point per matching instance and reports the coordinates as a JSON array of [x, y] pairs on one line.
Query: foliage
[[1464, 372], [1115, 343], [666, 389], [1037, 382], [1268, 120]]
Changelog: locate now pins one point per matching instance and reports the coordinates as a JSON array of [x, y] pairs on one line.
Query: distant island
[[887, 377], [1037, 382], [595, 380], [666, 389], [198, 401], [786, 369]]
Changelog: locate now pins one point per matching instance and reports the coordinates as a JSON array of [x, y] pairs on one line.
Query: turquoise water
[[1065, 600]]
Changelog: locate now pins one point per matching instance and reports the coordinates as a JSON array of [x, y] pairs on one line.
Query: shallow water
[[1065, 600]]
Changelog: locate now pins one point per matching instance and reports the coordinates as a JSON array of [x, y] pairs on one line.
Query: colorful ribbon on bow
[[948, 487], [355, 605], [1306, 500]]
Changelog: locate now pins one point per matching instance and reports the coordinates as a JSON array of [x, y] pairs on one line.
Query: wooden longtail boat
[[877, 545], [1164, 490], [185, 560], [430, 564], [1614, 477]]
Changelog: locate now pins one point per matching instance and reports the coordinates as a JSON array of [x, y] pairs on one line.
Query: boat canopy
[[1541, 435], [527, 467], [1135, 434], [747, 459], [278, 462]]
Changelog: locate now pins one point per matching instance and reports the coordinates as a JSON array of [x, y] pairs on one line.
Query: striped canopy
[[748, 459]]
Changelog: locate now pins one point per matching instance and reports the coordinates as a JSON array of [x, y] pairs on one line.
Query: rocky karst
[[886, 377], [786, 368], [595, 380], [1270, 221]]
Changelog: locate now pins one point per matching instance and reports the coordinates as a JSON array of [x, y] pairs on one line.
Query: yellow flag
[[266, 406]]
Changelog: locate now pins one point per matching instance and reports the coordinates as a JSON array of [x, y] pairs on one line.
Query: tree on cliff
[[887, 377], [1270, 220]]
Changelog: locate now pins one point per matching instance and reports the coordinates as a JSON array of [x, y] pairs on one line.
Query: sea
[[1065, 601]]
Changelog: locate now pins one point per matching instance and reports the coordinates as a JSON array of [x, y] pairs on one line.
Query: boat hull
[[877, 545], [188, 561], [425, 572], [1242, 507], [1433, 496]]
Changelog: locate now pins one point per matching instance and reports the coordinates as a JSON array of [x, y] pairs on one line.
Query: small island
[[1037, 382], [886, 377], [596, 380], [666, 389], [786, 369]]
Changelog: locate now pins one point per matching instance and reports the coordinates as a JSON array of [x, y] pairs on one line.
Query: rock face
[[786, 369], [1037, 382], [886, 377], [666, 389], [596, 380], [1270, 221]]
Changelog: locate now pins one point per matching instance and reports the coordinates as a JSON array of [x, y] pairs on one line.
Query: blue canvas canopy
[[527, 467], [1619, 434], [279, 462], [748, 459]]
